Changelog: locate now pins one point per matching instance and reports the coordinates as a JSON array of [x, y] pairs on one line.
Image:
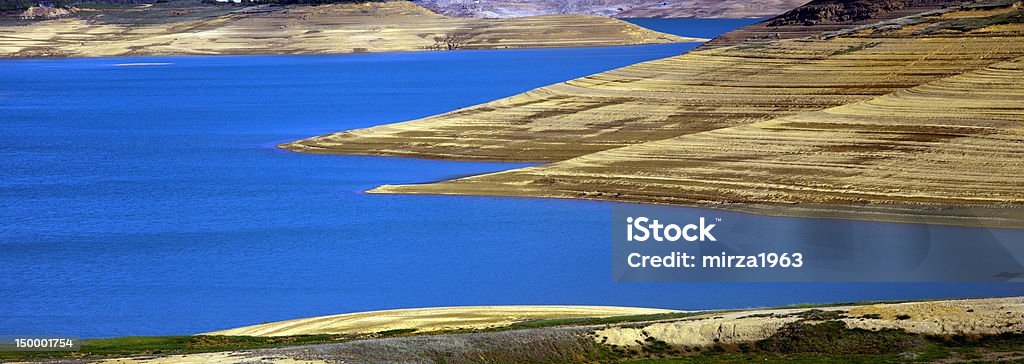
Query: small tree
[[451, 41]]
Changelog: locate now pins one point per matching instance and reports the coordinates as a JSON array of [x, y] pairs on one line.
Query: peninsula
[[863, 122]]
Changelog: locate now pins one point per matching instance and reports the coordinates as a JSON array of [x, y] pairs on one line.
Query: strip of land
[[928, 331], [431, 319], [375, 26]]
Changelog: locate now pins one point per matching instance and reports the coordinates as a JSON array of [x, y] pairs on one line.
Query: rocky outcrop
[[820, 16], [47, 12]]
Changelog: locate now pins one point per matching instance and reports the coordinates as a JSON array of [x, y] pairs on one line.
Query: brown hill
[[820, 16]]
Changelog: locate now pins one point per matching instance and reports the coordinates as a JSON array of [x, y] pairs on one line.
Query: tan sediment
[[431, 319], [338, 28], [972, 317], [687, 94]]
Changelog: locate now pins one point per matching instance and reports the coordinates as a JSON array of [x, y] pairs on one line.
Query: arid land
[[914, 119], [178, 28]]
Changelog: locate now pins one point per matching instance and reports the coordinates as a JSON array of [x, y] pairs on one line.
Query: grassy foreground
[[969, 330], [185, 344], [169, 345], [830, 341]]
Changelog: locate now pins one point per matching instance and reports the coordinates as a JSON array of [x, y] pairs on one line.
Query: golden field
[[388, 26]]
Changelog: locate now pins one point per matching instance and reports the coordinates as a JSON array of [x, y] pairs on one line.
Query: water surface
[[698, 28], [150, 200]]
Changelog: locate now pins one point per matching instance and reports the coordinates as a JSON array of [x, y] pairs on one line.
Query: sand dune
[[431, 319], [339, 28]]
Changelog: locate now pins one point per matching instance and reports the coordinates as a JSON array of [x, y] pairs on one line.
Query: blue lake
[[151, 201], [699, 28]]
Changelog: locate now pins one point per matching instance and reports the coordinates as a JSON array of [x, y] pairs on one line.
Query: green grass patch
[[855, 48], [169, 345]]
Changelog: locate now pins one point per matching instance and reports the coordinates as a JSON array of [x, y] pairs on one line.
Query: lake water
[[698, 28], [151, 201]]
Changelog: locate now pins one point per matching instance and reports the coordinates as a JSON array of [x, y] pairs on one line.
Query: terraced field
[[691, 93], [387, 26]]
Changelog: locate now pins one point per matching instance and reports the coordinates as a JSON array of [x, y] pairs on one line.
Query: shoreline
[[281, 144], [1002, 216]]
